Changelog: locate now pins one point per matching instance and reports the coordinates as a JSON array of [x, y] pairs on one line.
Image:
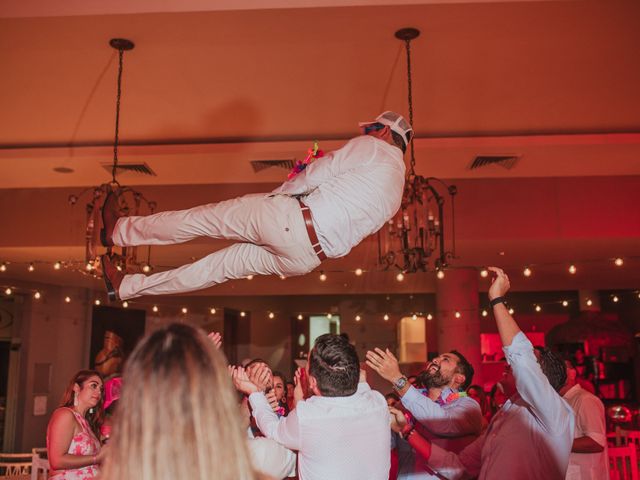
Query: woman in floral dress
[[73, 443]]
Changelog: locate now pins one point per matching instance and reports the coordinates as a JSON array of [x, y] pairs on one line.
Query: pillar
[[458, 292]]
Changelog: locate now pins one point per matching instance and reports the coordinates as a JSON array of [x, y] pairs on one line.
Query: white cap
[[396, 122]]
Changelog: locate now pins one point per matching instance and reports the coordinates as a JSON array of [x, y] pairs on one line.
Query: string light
[[243, 314], [511, 311], [37, 295], [282, 277], [88, 267], [119, 268], [329, 316], [429, 317], [249, 277], [358, 318], [386, 317], [589, 302], [440, 274], [155, 309], [185, 310], [31, 268], [414, 317], [572, 269], [400, 277], [565, 303], [8, 291], [359, 271], [300, 317], [146, 268], [484, 313], [527, 272], [458, 315], [484, 273], [618, 262], [125, 304], [615, 299], [97, 302], [271, 315], [67, 299], [212, 311], [538, 308], [57, 265], [3, 267], [323, 277]]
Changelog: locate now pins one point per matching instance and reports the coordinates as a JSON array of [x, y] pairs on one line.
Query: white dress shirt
[[352, 192], [337, 438], [530, 437], [451, 426], [272, 459], [590, 422]]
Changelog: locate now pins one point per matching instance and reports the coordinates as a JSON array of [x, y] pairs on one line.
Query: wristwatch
[[400, 383], [498, 300]]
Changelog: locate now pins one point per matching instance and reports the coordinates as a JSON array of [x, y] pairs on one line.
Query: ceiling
[[212, 86]]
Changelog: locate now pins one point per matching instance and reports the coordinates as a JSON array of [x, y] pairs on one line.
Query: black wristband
[[498, 300]]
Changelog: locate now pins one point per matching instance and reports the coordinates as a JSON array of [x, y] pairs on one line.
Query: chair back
[[15, 464], [40, 464], [623, 463]]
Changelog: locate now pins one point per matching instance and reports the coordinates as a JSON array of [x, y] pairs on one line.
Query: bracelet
[[408, 433], [498, 300]]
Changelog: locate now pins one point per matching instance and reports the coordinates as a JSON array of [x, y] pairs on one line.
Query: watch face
[[401, 382]]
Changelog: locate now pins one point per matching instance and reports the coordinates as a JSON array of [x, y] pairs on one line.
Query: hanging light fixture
[[130, 200], [415, 238]]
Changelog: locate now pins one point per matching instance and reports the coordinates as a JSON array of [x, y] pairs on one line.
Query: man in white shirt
[[446, 416], [323, 211], [588, 459], [530, 437], [342, 431]]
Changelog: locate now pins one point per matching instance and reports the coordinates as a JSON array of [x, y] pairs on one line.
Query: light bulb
[[57, 266], [589, 302], [565, 303], [97, 302], [429, 317], [400, 277], [37, 295], [358, 318], [272, 315], [484, 273], [213, 311], [67, 299], [323, 277], [31, 268], [386, 317], [125, 304], [300, 317], [243, 314], [484, 313], [511, 311], [8, 291], [3, 267], [414, 317], [572, 269], [119, 268], [619, 262], [88, 267], [527, 272], [538, 308], [146, 268], [155, 309], [359, 271], [458, 314], [249, 277], [185, 310], [440, 274], [615, 299], [329, 316]]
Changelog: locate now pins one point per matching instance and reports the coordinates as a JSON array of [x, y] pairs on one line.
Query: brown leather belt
[[308, 222]]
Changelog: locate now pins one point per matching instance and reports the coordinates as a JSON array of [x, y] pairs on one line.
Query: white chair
[[39, 464], [623, 463], [15, 465]]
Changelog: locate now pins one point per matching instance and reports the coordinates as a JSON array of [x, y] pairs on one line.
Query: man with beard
[[444, 415]]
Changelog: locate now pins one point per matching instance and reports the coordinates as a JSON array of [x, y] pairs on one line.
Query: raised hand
[[499, 284], [261, 377], [273, 401], [398, 421], [241, 381], [216, 338], [385, 363], [299, 392]]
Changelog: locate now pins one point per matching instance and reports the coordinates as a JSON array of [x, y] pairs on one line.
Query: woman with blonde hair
[[73, 433], [177, 415]]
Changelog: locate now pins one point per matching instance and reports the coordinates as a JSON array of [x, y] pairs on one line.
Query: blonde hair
[[178, 414]]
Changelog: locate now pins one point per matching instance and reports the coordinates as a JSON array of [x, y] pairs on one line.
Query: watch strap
[[498, 300]]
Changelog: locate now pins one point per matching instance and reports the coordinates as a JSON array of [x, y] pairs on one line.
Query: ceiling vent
[[259, 165], [139, 168], [505, 161]]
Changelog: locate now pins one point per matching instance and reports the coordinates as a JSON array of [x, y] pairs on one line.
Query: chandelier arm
[[440, 202]]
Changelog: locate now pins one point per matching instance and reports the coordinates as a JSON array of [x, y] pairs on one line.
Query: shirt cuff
[[258, 399], [411, 395]]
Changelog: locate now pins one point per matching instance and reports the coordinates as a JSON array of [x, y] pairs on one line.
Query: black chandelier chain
[[407, 44], [118, 97]]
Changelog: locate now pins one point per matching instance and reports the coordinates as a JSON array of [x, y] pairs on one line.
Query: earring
[[75, 399], [91, 410]]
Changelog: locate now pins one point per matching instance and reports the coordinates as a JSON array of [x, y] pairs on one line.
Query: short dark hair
[[397, 139], [464, 368], [335, 365], [553, 367]]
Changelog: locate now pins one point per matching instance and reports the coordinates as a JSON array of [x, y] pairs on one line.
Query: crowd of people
[[185, 413]]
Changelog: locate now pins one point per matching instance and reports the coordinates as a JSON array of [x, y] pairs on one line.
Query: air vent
[[140, 168], [505, 161], [259, 165]]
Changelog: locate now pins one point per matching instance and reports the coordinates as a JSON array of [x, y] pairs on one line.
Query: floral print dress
[[82, 443]]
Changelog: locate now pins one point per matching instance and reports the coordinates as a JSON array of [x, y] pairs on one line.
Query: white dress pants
[[270, 231]]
